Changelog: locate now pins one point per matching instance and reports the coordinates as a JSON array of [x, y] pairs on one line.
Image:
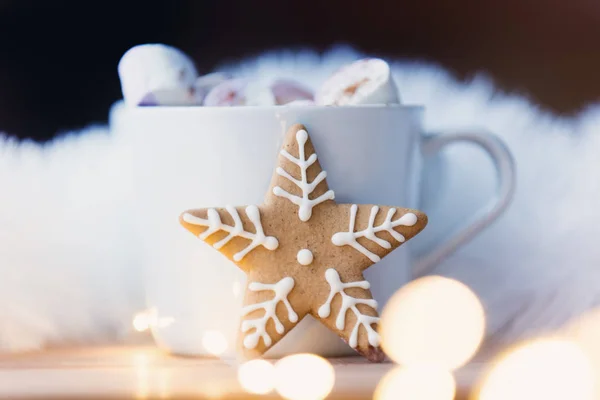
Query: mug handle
[[505, 173]]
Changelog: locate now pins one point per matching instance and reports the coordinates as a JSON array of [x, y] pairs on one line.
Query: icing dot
[[305, 257], [301, 136]]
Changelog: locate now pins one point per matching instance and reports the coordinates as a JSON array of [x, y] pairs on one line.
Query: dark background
[[58, 59]]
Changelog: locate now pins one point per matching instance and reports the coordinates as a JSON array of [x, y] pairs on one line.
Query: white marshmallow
[[206, 83], [301, 103], [156, 74], [239, 92], [366, 81], [288, 91]]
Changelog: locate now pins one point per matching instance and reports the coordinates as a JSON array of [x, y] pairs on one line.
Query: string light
[[433, 321], [416, 383], [549, 369], [257, 376], [293, 372]]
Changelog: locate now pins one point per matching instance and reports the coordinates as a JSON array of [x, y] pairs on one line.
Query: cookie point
[[422, 217], [375, 355]]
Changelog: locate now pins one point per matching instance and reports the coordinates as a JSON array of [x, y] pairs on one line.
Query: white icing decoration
[[214, 224], [349, 303], [350, 237], [304, 203], [304, 257], [282, 289]]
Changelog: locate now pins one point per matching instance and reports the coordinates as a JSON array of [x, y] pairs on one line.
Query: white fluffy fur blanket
[[70, 271]]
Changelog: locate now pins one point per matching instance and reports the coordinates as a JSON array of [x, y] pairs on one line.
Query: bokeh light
[[164, 377], [416, 383], [143, 320], [585, 331], [304, 377], [163, 322], [214, 342], [548, 369], [236, 289], [146, 319], [141, 364], [257, 376], [433, 321]]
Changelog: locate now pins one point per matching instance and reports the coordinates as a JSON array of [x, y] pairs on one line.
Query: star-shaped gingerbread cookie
[[305, 254]]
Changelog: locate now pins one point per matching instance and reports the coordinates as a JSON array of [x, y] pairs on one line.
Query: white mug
[[192, 157]]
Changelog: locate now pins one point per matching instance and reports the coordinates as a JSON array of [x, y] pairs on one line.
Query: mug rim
[[235, 109]]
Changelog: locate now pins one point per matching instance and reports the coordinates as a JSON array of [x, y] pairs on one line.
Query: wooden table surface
[[147, 372]]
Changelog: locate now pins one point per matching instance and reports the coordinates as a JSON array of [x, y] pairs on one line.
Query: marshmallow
[[206, 83], [366, 81], [239, 92], [156, 74], [301, 103], [287, 91]]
